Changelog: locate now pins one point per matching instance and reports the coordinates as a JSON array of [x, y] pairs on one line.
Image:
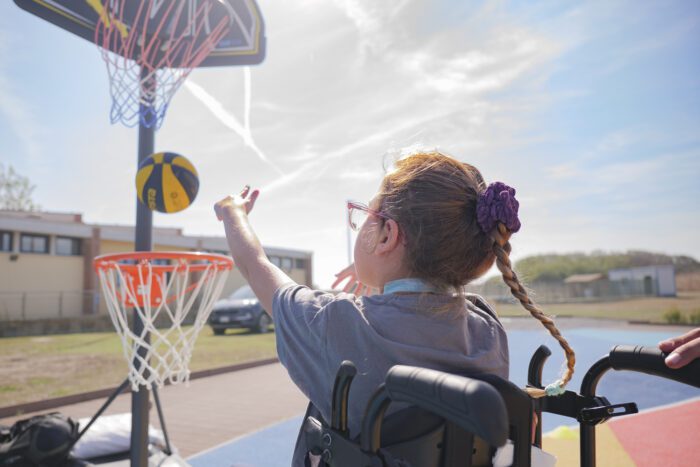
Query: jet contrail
[[311, 169], [230, 120]]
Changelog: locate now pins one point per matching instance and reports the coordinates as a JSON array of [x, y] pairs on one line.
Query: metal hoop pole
[[142, 242]]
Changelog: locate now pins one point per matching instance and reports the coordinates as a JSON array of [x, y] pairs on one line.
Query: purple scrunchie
[[498, 204]]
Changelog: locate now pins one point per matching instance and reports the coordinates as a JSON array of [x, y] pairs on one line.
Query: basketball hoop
[[151, 46], [167, 290]]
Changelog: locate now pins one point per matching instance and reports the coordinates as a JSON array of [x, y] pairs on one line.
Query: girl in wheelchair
[[433, 227]]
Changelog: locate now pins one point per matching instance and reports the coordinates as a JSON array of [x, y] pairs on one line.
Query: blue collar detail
[[408, 285]]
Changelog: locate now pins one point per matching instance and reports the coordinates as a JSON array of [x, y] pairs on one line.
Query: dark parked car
[[241, 309]]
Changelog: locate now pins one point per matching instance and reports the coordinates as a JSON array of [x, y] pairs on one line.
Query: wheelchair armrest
[[473, 405], [650, 360]]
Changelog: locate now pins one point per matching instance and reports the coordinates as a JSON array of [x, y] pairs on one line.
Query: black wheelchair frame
[[453, 416]]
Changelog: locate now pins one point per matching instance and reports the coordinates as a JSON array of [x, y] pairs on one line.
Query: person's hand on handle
[[683, 349], [244, 202], [353, 285]]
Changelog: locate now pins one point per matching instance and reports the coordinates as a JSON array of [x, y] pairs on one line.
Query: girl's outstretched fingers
[[245, 200], [353, 285], [250, 202], [347, 273]]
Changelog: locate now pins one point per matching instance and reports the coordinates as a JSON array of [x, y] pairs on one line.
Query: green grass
[[36, 368], [638, 309], [8, 388]]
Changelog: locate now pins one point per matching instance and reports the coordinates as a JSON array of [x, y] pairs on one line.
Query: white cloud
[[373, 21], [361, 175], [20, 117], [563, 171]]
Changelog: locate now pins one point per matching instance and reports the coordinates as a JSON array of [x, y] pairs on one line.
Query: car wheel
[[219, 332], [263, 324]]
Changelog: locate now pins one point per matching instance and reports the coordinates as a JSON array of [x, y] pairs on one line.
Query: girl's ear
[[389, 237]]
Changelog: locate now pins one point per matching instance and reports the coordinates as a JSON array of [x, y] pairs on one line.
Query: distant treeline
[[557, 267]]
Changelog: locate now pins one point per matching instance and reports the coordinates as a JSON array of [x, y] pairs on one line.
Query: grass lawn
[[639, 309], [36, 368], [42, 367]]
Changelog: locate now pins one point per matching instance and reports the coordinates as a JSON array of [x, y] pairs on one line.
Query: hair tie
[[496, 204], [555, 389]]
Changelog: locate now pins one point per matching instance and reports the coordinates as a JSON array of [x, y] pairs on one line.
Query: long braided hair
[[502, 248]]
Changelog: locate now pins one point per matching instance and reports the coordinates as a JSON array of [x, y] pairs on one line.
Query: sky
[[591, 110]]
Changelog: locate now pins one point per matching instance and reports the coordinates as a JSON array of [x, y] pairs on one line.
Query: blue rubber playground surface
[[272, 446]]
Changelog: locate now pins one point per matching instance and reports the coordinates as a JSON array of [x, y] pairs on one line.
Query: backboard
[[244, 44]]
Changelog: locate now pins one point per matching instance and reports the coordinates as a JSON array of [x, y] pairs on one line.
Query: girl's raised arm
[[247, 252]]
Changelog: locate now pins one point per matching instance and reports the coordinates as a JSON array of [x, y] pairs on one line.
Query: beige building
[[46, 262]]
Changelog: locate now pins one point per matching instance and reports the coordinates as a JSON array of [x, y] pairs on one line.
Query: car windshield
[[242, 293]]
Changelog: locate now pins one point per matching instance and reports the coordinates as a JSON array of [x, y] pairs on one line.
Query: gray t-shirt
[[316, 331]]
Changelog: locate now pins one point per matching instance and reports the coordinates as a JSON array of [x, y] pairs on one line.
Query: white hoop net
[[173, 301]]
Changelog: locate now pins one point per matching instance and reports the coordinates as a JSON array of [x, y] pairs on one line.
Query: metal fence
[[37, 305], [42, 305], [559, 292]]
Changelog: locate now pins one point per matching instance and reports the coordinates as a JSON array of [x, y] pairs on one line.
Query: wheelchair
[[460, 420]]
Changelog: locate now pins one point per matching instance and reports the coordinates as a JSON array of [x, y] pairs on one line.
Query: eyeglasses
[[358, 212]]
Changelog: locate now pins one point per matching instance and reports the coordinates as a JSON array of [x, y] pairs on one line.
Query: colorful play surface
[[666, 432], [665, 436]]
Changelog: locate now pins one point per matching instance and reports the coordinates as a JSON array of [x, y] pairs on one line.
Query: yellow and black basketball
[[166, 182]]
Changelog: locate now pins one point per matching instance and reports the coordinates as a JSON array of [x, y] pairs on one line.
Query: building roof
[[72, 225], [583, 278], [643, 268], [72, 217]]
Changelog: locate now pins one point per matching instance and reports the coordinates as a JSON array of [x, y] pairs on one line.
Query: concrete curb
[[29, 407]]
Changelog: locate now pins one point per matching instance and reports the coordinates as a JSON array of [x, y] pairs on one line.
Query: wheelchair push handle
[[341, 393], [650, 360]]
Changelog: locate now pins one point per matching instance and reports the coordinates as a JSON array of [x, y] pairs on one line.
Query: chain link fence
[[37, 305], [57, 312], [559, 292]]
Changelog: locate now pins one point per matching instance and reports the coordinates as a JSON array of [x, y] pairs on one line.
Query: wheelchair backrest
[[446, 414]]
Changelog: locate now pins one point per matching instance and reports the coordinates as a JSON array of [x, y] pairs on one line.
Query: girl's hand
[[353, 285], [232, 203]]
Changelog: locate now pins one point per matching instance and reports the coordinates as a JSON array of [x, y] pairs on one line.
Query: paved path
[[212, 410]]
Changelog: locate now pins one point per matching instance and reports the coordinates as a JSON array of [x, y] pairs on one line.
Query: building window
[[66, 246], [216, 252], [276, 261], [300, 263], [5, 241], [34, 243], [287, 264]]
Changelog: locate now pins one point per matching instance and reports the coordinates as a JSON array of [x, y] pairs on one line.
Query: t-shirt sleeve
[[301, 323]]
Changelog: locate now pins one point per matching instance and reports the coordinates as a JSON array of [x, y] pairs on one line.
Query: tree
[[15, 191], [557, 267]]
